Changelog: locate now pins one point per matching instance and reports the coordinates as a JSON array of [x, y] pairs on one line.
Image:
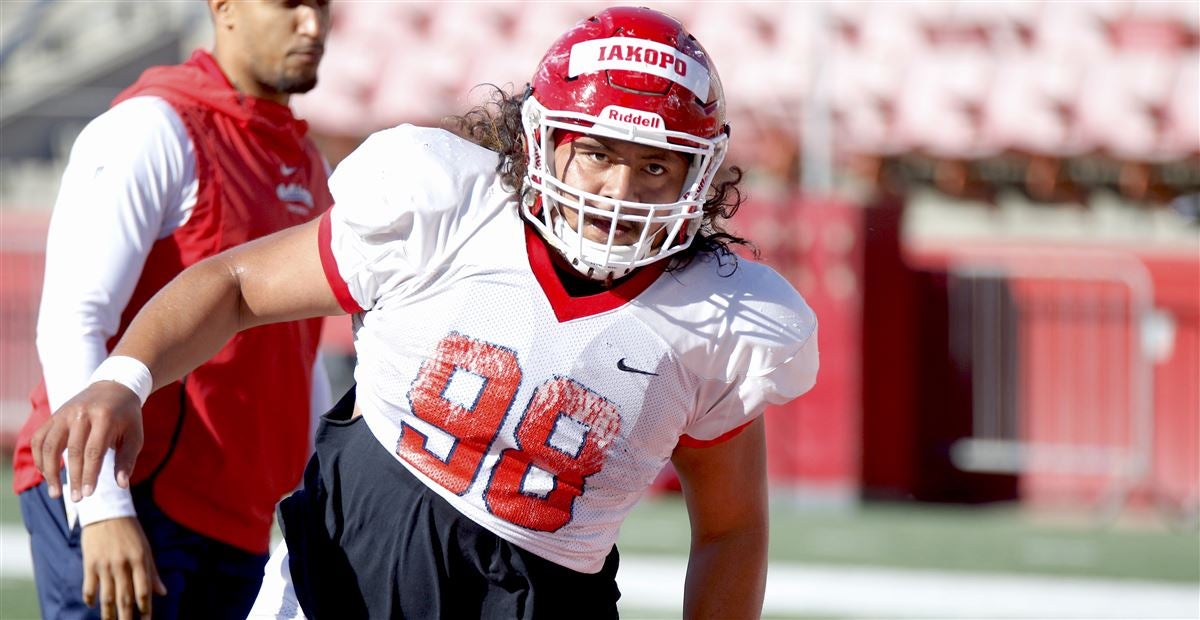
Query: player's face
[[618, 170], [282, 42]]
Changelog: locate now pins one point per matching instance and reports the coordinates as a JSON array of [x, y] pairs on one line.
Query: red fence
[[22, 261], [1104, 378], [899, 389]]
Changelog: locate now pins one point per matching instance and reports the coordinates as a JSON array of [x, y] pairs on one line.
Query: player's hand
[[104, 415], [118, 564]]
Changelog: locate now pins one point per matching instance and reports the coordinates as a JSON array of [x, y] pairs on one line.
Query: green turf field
[[17, 599], [987, 539], [996, 539]]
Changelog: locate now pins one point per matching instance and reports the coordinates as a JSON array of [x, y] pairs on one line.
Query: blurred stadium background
[[994, 208]]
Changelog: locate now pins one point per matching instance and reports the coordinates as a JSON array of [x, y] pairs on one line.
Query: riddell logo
[[629, 116]]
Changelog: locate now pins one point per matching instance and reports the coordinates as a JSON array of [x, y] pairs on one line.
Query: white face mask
[[665, 229], [662, 227]]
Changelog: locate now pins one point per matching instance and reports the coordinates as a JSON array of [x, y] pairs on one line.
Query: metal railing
[[1060, 373]]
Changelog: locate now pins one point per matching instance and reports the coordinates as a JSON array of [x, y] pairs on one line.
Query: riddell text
[[634, 119]]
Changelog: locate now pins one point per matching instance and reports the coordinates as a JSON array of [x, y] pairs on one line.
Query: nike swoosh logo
[[621, 366], [286, 170]]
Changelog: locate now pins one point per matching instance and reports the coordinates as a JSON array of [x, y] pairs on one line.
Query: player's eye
[[656, 169], [596, 156]]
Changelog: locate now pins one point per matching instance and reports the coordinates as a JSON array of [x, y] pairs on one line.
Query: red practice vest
[[227, 442]]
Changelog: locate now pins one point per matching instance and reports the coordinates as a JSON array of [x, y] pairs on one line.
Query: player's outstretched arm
[[276, 278], [725, 487]]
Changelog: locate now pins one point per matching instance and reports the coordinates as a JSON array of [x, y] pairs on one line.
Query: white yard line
[[655, 585], [15, 562]]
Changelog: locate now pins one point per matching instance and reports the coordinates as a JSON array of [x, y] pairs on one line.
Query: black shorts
[[367, 539]]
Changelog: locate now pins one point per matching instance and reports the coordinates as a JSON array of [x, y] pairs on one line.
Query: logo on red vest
[[296, 198]]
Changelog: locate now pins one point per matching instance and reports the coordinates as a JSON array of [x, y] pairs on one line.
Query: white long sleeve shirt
[[130, 181]]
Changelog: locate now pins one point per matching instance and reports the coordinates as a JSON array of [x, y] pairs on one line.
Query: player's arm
[[269, 280], [726, 493], [276, 278]]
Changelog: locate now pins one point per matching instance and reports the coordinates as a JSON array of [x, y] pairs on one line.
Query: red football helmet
[[633, 74]]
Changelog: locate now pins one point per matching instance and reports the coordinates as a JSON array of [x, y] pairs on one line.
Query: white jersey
[[540, 416]]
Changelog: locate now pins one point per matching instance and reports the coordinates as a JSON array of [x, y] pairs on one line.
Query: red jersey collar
[[568, 308]]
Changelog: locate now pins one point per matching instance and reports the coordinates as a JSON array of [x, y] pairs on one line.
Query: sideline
[[654, 584]]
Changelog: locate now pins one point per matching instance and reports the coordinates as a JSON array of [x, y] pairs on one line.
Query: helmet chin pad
[[588, 254]]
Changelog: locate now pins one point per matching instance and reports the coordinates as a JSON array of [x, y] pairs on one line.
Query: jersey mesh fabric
[[545, 432]]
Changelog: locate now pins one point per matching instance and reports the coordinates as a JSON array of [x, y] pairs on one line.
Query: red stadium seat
[[864, 91], [954, 79], [1031, 107], [1181, 133], [1073, 29], [941, 109]]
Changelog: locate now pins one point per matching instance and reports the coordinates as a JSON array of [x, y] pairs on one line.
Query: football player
[[537, 333]]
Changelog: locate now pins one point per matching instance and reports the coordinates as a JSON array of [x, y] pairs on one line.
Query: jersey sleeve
[[398, 201], [768, 356]]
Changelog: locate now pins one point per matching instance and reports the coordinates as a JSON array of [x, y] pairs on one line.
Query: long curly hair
[[495, 124]]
